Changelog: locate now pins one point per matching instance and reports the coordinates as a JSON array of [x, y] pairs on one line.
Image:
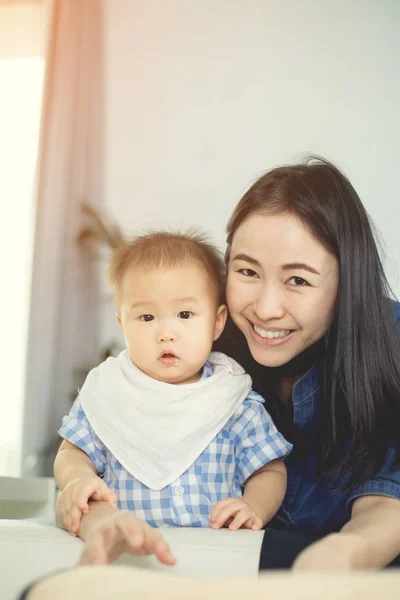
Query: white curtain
[[64, 298], [21, 88]]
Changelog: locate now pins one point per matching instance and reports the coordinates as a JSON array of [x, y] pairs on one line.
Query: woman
[[307, 290], [313, 325]]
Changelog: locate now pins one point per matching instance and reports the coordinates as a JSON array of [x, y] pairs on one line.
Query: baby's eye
[[248, 272], [298, 281], [185, 314], [146, 318]]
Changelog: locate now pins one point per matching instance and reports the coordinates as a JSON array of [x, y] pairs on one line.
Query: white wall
[[203, 96]]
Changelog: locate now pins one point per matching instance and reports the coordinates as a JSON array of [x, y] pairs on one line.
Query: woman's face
[[282, 287]]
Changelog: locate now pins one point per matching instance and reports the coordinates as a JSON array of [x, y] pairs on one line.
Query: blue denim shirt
[[309, 505]]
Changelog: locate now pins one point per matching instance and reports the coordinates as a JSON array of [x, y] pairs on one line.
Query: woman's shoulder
[[396, 309]]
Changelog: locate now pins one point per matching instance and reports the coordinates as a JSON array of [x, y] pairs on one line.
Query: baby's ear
[[118, 317], [220, 320]]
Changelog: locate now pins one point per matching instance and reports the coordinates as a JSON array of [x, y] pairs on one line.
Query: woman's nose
[[269, 304]]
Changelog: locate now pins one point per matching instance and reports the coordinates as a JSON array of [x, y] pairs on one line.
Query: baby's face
[[170, 318]]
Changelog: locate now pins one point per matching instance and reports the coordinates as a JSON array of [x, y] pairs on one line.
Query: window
[[21, 82]]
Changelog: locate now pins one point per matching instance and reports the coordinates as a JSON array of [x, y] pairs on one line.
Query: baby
[[170, 430]]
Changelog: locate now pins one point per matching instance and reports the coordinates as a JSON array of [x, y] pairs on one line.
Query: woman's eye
[[298, 281], [146, 318], [185, 314], [248, 272]]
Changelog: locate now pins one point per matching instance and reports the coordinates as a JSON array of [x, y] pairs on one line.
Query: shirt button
[[179, 490]]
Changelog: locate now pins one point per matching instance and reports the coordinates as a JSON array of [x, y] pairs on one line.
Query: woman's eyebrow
[[286, 267], [303, 266], [247, 258]]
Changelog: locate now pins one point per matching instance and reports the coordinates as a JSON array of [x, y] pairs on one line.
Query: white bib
[[156, 430]]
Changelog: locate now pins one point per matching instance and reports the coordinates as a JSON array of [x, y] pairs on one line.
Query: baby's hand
[[75, 496], [234, 513]]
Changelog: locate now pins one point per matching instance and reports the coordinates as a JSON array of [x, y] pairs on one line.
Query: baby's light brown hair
[[164, 249]]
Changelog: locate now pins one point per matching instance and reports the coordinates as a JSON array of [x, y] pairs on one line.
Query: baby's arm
[[77, 478], [265, 489], [263, 494], [259, 452], [71, 462]]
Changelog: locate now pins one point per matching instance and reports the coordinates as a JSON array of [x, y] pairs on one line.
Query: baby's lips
[[169, 354]]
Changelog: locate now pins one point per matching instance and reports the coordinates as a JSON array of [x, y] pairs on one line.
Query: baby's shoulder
[[251, 410], [254, 397]]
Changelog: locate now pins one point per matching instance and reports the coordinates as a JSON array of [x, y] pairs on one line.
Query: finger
[[219, 506], [253, 523], [68, 522], [241, 517], [136, 541], [256, 524], [214, 514], [75, 519], [111, 497], [224, 514], [63, 507], [82, 499], [141, 539], [130, 530], [97, 495], [218, 509], [164, 553], [105, 495], [155, 544]]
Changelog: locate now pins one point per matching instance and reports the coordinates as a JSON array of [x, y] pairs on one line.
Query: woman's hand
[[119, 532], [335, 552], [235, 513]]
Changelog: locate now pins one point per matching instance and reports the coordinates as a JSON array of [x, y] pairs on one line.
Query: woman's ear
[[220, 320]]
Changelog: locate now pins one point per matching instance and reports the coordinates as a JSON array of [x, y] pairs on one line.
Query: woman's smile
[[271, 337]]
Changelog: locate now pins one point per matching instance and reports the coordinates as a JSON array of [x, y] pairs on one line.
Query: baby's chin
[[175, 378], [185, 380]]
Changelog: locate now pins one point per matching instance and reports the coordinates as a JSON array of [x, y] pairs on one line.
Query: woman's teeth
[[264, 333]]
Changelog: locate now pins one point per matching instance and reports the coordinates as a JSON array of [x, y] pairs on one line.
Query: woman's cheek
[[238, 296], [233, 290]]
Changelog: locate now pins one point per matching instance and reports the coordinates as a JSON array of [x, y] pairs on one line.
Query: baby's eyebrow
[[303, 266], [140, 303], [150, 303], [191, 299]]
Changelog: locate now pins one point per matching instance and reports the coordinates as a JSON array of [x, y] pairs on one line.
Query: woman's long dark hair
[[360, 369]]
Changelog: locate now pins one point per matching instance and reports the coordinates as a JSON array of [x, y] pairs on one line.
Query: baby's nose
[[166, 336]]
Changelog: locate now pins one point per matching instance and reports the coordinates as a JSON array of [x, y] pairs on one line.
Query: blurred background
[[120, 115]]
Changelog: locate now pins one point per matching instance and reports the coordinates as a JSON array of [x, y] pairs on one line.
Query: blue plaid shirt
[[248, 441]]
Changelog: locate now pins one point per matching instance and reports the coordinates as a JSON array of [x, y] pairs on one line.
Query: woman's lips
[[276, 341]]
